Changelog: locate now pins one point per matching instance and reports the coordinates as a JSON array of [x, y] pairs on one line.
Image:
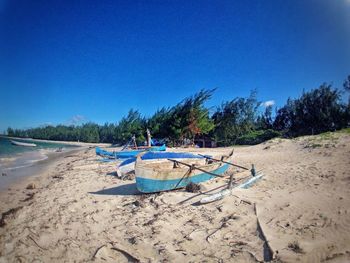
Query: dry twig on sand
[[130, 257], [36, 243], [223, 225]]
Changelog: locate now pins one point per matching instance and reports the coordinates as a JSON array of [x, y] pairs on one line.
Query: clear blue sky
[[65, 61]]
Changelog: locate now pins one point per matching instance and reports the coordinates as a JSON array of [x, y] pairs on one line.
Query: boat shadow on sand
[[123, 190]]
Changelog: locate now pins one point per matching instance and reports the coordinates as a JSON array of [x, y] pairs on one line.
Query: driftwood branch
[[97, 250], [223, 225], [36, 243], [130, 257], [187, 236]]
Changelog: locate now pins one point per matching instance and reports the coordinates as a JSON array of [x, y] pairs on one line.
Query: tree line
[[238, 121]]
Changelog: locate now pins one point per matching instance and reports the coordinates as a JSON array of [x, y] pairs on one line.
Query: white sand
[[85, 214]]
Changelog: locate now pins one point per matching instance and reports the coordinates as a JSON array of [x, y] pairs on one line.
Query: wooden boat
[[128, 165], [141, 147], [158, 175], [126, 154], [23, 143], [103, 153], [117, 155]]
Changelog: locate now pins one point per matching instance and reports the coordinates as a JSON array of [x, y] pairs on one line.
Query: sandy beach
[[79, 211]]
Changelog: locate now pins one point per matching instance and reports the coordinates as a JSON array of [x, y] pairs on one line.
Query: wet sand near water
[[15, 180]]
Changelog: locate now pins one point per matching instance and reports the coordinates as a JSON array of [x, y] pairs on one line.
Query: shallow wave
[[22, 160], [25, 164]]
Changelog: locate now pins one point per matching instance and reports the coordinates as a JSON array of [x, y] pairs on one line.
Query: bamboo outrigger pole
[[236, 165], [194, 167]]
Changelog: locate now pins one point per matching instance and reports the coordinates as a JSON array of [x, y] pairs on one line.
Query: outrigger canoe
[[158, 175], [23, 144], [127, 154], [128, 165]]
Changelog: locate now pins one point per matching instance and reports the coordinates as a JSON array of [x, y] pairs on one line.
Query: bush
[[316, 111], [256, 137]]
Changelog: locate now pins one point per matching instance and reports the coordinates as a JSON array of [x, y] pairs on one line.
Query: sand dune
[[80, 212]]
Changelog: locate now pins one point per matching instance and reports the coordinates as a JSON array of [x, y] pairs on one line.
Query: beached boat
[[23, 143], [127, 154], [117, 155], [128, 165], [103, 153], [158, 175]]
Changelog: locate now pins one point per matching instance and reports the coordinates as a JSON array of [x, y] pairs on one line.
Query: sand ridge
[[83, 213]]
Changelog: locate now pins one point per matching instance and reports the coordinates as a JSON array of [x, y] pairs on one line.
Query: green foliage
[[346, 131], [258, 136], [132, 124], [194, 116], [237, 121], [159, 122], [314, 112], [234, 119], [107, 133], [265, 121], [187, 119], [346, 84], [89, 132], [10, 131]]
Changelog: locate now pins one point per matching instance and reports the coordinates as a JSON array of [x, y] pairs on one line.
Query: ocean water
[[14, 157]]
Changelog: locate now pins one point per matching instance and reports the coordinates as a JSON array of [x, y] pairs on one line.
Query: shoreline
[[60, 142], [37, 173], [16, 166]]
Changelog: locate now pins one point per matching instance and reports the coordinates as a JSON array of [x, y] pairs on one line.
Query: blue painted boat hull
[[147, 185], [129, 164], [158, 148], [103, 153], [127, 154]]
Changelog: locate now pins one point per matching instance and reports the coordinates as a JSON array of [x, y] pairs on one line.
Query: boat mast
[[148, 138]]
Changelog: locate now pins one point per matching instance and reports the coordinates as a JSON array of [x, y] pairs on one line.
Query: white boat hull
[[23, 144]]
